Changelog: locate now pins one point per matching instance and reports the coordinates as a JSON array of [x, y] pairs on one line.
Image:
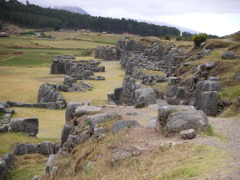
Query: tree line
[[30, 15]]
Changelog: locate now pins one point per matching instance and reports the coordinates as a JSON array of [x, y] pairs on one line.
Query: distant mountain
[[71, 9], [183, 29]]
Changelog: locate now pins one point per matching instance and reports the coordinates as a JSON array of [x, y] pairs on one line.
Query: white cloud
[[219, 17]]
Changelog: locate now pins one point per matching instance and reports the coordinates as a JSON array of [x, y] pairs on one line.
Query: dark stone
[[23, 148], [47, 148], [65, 133], [71, 106], [119, 126]]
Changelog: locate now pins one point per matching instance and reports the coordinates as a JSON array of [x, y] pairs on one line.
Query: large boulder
[[165, 111], [145, 97], [71, 106], [121, 125], [184, 120], [27, 125], [48, 93], [206, 98], [65, 133]]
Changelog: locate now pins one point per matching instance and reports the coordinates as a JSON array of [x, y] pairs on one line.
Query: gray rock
[[9, 159], [209, 103], [228, 55], [188, 134], [102, 118], [179, 121], [23, 148], [6, 118], [48, 93], [119, 126], [152, 123], [171, 91], [165, 111], [51, 167], [98, 132], [37, 178], [3, 170], [65, 133], [4, 128], [172, 81], [27, 125], [145, 97], [80, 111], [47, 148], [68, 81], [71, 106], [56, 148], [74, 140], [120, 155], [210, 65]]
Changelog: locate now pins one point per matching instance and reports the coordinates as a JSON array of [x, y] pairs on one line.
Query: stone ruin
[[108, 53], [132, 94], [82, 68]]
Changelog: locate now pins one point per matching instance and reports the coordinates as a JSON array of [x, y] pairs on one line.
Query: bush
[[178, 38], [199, 38], [167, 37]]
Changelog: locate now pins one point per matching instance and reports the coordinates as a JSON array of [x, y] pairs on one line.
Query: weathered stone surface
[[165, 111], [122, 154], [107, 53], [228, 55], [171, 91], [209, 103], [6, 118], [4, 128], [119, 126], [65, 133], [74, 140], [206, 96], [180, 92], [71, 106], [48, 93], [80, 111], [3, 170], [101, 118], [152, 123], [27, 125], [188, 134], [23, 148], [98, 132], [47, 148], [9, 159], [184, 120], [51, 167], [68, 81], [144, 97]]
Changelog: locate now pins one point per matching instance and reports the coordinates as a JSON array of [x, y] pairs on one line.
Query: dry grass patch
[[162, 87], [27, 166], [173, 162]]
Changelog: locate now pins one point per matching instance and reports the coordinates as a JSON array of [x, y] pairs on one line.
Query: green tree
[[199, 38]]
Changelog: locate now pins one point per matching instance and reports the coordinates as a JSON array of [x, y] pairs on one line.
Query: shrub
[[167, 37], [178, 38], [199, 38]]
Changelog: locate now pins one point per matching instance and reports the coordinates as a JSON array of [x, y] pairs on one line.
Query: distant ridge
[[72, 9], [183, 29]]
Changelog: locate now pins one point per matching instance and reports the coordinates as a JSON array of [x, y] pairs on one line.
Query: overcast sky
[[220, 17]]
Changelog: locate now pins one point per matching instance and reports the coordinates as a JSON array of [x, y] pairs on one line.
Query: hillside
[[235, 36], [33, 16], [71, 9]]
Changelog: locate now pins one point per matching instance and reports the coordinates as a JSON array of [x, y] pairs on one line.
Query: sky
[[219, 17]]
